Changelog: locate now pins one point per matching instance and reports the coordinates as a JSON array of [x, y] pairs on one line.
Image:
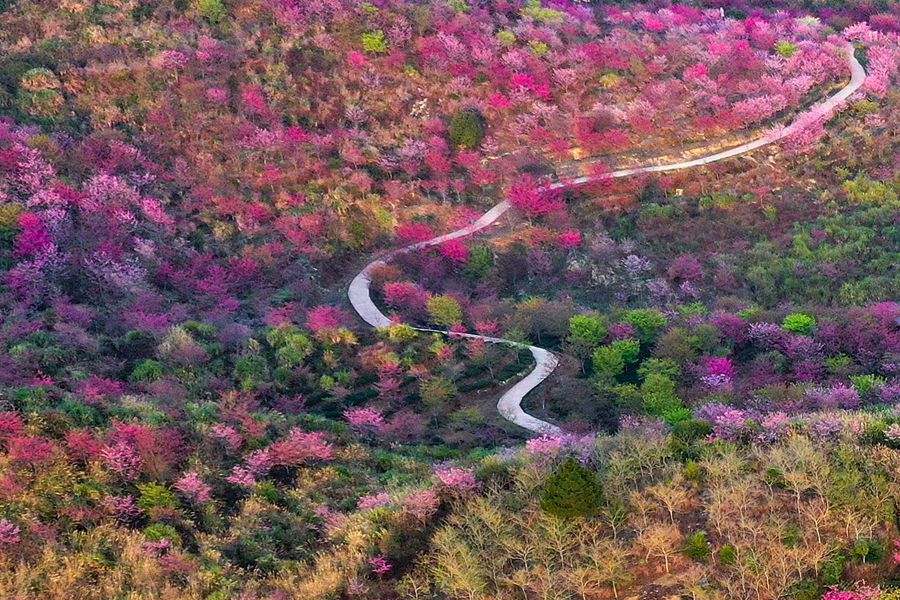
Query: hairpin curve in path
[[510, 403]]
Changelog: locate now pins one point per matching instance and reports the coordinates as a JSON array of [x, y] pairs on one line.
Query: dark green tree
[[467, 128], [572, 491]]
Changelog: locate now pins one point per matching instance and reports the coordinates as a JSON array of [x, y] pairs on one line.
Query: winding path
[[510, 403]]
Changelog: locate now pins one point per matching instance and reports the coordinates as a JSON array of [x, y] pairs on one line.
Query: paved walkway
[[510, 403]]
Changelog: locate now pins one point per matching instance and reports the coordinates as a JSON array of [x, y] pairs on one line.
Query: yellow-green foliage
[[444, 311], [374, 42], [867, 191], [399, 333], [9, 216], [105, 562], [211, 10], [785, 48], [538, 48], [459, 5], [506, 37], [540, 14]]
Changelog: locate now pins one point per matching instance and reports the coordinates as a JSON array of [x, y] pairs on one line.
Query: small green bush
[[374, 42], [785, 48], [572, 491], [445, 311], [608, 363], [692, 472], [212, 10], [148, 371], [586, 330], [659, 395], [697, 547], [155, 495], [160, 531], [867, 550], [728, 555], [798, 322], [833, 569], [467, 128], [647, 322]]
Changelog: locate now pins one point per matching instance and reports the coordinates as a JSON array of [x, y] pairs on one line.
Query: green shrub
[[155, 495], [291, 345], [540, 14], [659, 395], [647, 322], [437, 392], [467, 418], [833, 569], [867, 191], [586, 330], [866, 384], [692, 472], [836, 364], [444, 311], [660, 366], [374, 42], [212, 10], [251, 370], [160, 531], [461, 6], [629, 349], [481, 259], [538, 48], [467, 128], [572, 491], [697, 546], [728, 555], [785, 48], [506, 38], [675, 416], [800, 323], [691, 430], [867, 550], [148, 371], [806, 589], [608, 363]]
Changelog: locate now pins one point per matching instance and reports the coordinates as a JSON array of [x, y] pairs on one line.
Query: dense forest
[[190, 407]]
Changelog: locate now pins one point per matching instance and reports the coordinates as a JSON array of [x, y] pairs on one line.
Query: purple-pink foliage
[[800, 346], [380, 565], [422, 504], [123, 459], [842, 396], [775, 427], [194, 488], [457, 479], [10, 533], [227, 434], [122, 508], [621, 331], [685, 268], [889, 393], [548, 447], [766, 335], [732, 328], [721, 366], [364, 419], [372, 502], [825, 428], [730, 425]]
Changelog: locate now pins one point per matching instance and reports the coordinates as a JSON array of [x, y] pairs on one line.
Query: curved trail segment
[[510, 403]]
